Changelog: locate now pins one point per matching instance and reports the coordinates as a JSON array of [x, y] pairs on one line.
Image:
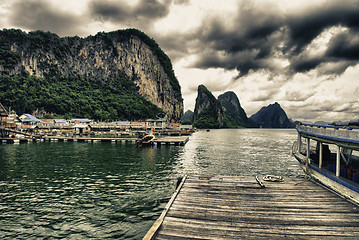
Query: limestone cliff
[[98, 58], [272, 116], [187, 117], [235, 115], [208, 111]]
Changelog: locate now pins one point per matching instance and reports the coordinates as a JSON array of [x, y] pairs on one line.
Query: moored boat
[[330, 155], [147, 140]]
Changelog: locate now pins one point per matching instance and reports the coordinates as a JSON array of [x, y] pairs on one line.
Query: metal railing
[[330, 132]]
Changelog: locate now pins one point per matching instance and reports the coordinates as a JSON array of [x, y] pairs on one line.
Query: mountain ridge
[[208, 111], [235, 116], [226, 112], [271, 116]]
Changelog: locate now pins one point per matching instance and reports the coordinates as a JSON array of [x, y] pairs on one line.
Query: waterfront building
[[156, 124], [3, 114], [81, 129]]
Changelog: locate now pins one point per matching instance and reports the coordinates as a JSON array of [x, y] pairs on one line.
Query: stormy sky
[[301, 54]]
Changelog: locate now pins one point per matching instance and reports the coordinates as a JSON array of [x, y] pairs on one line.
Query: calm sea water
[[106, 190]]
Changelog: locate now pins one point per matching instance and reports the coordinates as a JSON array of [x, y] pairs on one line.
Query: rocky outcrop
[[99, 58], [187, 116], [272, 116], [208, 111], [235, 115]]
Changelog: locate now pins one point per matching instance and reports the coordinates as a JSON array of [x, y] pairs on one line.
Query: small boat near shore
[[147, 140], [330, 155]]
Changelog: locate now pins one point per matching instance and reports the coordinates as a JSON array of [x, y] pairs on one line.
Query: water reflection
[[240, 152]]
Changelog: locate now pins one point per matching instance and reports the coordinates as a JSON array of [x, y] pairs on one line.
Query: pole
[[299, 142], [308, 150], [320, 155], [337, 167]]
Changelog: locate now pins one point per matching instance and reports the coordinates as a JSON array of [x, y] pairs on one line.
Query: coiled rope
[[272, 178]]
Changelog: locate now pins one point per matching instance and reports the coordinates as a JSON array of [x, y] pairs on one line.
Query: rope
[[272, 178]]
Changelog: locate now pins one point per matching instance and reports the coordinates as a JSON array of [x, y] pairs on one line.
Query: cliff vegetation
[[75, 98], [110, 76]]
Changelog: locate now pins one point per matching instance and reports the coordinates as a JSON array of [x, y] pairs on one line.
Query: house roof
[[80, 126], [123, 122], [81, 120], [137, 123], [157, 120], [3, 112], [48, 120], [60, 121], [28, 118]]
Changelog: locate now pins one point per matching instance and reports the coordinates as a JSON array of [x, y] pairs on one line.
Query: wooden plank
[[237, 206], [275, 226], [215, 215], [219, 232], [152, 232], [232, 207], [268, 229]]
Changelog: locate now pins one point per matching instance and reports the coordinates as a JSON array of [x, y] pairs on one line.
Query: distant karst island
[[226, 112]]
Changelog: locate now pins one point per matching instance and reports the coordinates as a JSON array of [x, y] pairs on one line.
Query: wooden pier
[[228, 207], [165, 140]]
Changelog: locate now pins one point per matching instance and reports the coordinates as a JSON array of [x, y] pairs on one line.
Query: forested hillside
[[74, 98], [121, 75]]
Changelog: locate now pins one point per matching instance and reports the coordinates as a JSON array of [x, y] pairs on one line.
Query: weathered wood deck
[[239, 208]]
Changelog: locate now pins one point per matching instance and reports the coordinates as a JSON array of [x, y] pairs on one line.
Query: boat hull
[[347, 189]]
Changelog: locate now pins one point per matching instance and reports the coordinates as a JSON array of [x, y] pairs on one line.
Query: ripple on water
[[83, 191]]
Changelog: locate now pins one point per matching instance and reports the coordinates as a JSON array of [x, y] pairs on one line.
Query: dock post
[[337, 166], [299, 142], [308, 150], [320, 154]]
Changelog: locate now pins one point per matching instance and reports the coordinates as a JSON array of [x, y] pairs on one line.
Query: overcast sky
[[303, 54]]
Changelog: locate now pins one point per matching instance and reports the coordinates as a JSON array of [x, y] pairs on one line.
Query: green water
[[106, 190]]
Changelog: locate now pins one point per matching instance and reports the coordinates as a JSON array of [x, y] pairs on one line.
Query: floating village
[[27, 128]]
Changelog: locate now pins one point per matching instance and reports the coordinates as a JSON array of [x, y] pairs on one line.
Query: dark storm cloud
[[40, 15], [143, 13], [256, 37], [303, 64], [310, 22], [174, 45], [345, 46], [243, 45]]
